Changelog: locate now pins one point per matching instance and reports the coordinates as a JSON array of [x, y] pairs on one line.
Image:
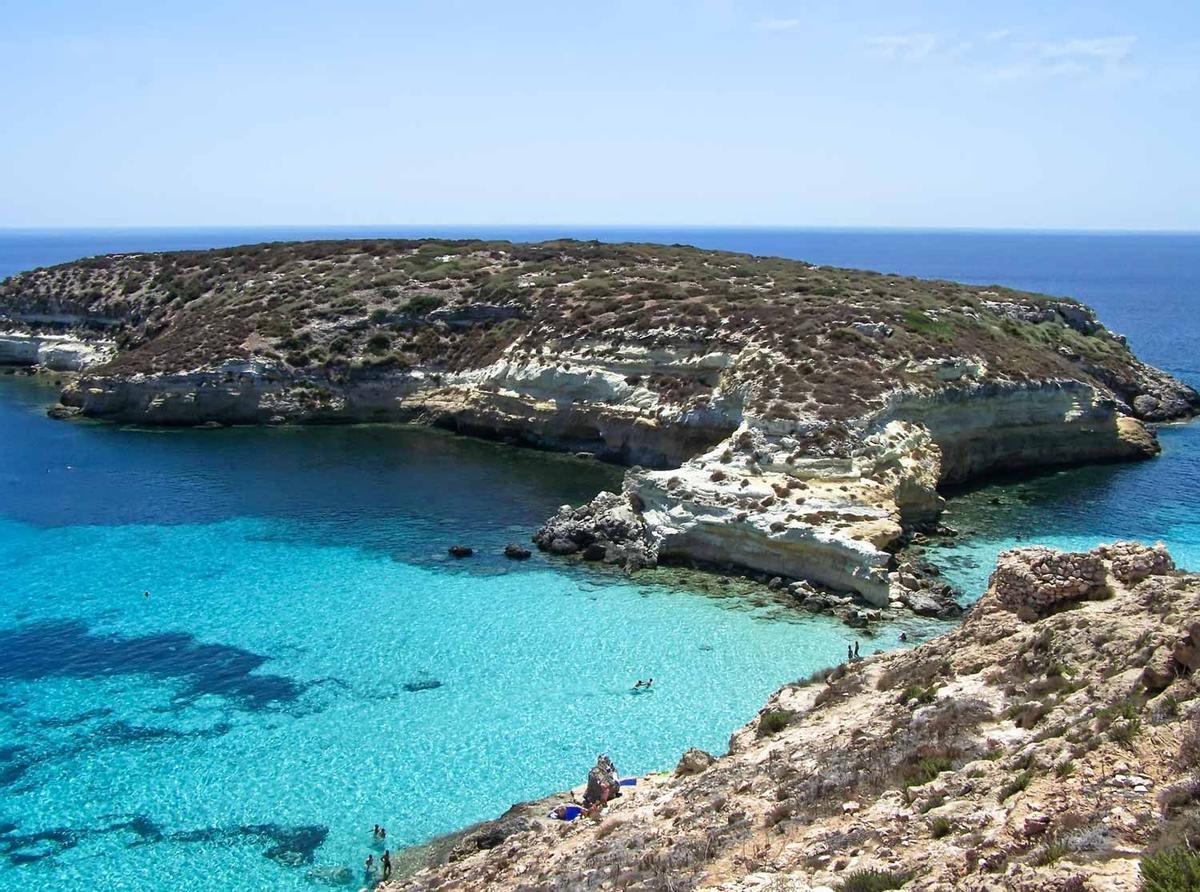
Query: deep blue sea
[[309, 662]]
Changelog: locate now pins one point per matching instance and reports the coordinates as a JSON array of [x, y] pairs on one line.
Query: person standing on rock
[[387, 864], [856, 654]]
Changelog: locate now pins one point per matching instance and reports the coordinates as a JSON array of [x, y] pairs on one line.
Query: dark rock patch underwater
[[68, 649]]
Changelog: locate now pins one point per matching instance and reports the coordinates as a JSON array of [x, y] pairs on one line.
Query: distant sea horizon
[[594, 227]]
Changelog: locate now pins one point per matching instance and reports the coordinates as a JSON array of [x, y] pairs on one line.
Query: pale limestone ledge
[[755, 502], [57, 353], [825, 520]]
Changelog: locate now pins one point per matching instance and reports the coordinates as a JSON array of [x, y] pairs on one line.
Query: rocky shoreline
[[779, 419], [1051, 742], [790, 422]]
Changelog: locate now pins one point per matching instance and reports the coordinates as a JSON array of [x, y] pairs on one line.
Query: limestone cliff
[[786, 418], [53, 352], [1052, 742]]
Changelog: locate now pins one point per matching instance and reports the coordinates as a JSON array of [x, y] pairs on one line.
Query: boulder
[[59, 411], [516, 552], [1146, 406], [608, 528], [1187, 653], [487, 836], [460, 551], [693, 761], [872, 329], [1160, 671], [1036, 824]]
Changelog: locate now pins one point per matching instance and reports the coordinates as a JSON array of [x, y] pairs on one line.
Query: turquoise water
[[310, 663], [1077, 509]]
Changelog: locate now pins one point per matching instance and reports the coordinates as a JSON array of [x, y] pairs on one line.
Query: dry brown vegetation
[[337, 306]]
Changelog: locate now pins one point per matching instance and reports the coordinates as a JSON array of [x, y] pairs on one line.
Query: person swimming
[[642, 685]]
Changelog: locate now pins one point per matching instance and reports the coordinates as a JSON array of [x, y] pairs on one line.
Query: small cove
[[309, 662]]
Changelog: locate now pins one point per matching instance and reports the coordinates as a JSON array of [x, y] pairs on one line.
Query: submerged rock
[[516, 552], [60, 411], [460, 551], [428, 684]]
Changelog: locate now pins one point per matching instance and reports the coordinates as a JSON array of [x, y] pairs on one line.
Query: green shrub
[[1126, 731], [916, 321], [940, 827], [1049, 853], [774, 720], [874, 880], [422, 303], [1018, 783], [1176, 869], [379, 343], [920, 693], [926, 770]]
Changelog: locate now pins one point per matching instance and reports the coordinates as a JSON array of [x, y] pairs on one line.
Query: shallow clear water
[[309, 662]]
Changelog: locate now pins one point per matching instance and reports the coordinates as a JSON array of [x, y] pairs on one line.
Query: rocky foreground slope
[[1050, 743], [789, 419]]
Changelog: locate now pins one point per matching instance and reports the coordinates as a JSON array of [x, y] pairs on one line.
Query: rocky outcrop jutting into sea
[[1049, 743], [778, 417]]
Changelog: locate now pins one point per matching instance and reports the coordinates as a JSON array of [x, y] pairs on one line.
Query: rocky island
[[778, 417]]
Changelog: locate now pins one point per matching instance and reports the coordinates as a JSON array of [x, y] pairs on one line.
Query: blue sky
[[711, 112]]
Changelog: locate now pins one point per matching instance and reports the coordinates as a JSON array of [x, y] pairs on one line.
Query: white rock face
[[608, 376], [991, 427], [59, 353], [752, 503]]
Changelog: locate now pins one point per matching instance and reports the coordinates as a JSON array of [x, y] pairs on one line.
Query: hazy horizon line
[[599, 227]]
